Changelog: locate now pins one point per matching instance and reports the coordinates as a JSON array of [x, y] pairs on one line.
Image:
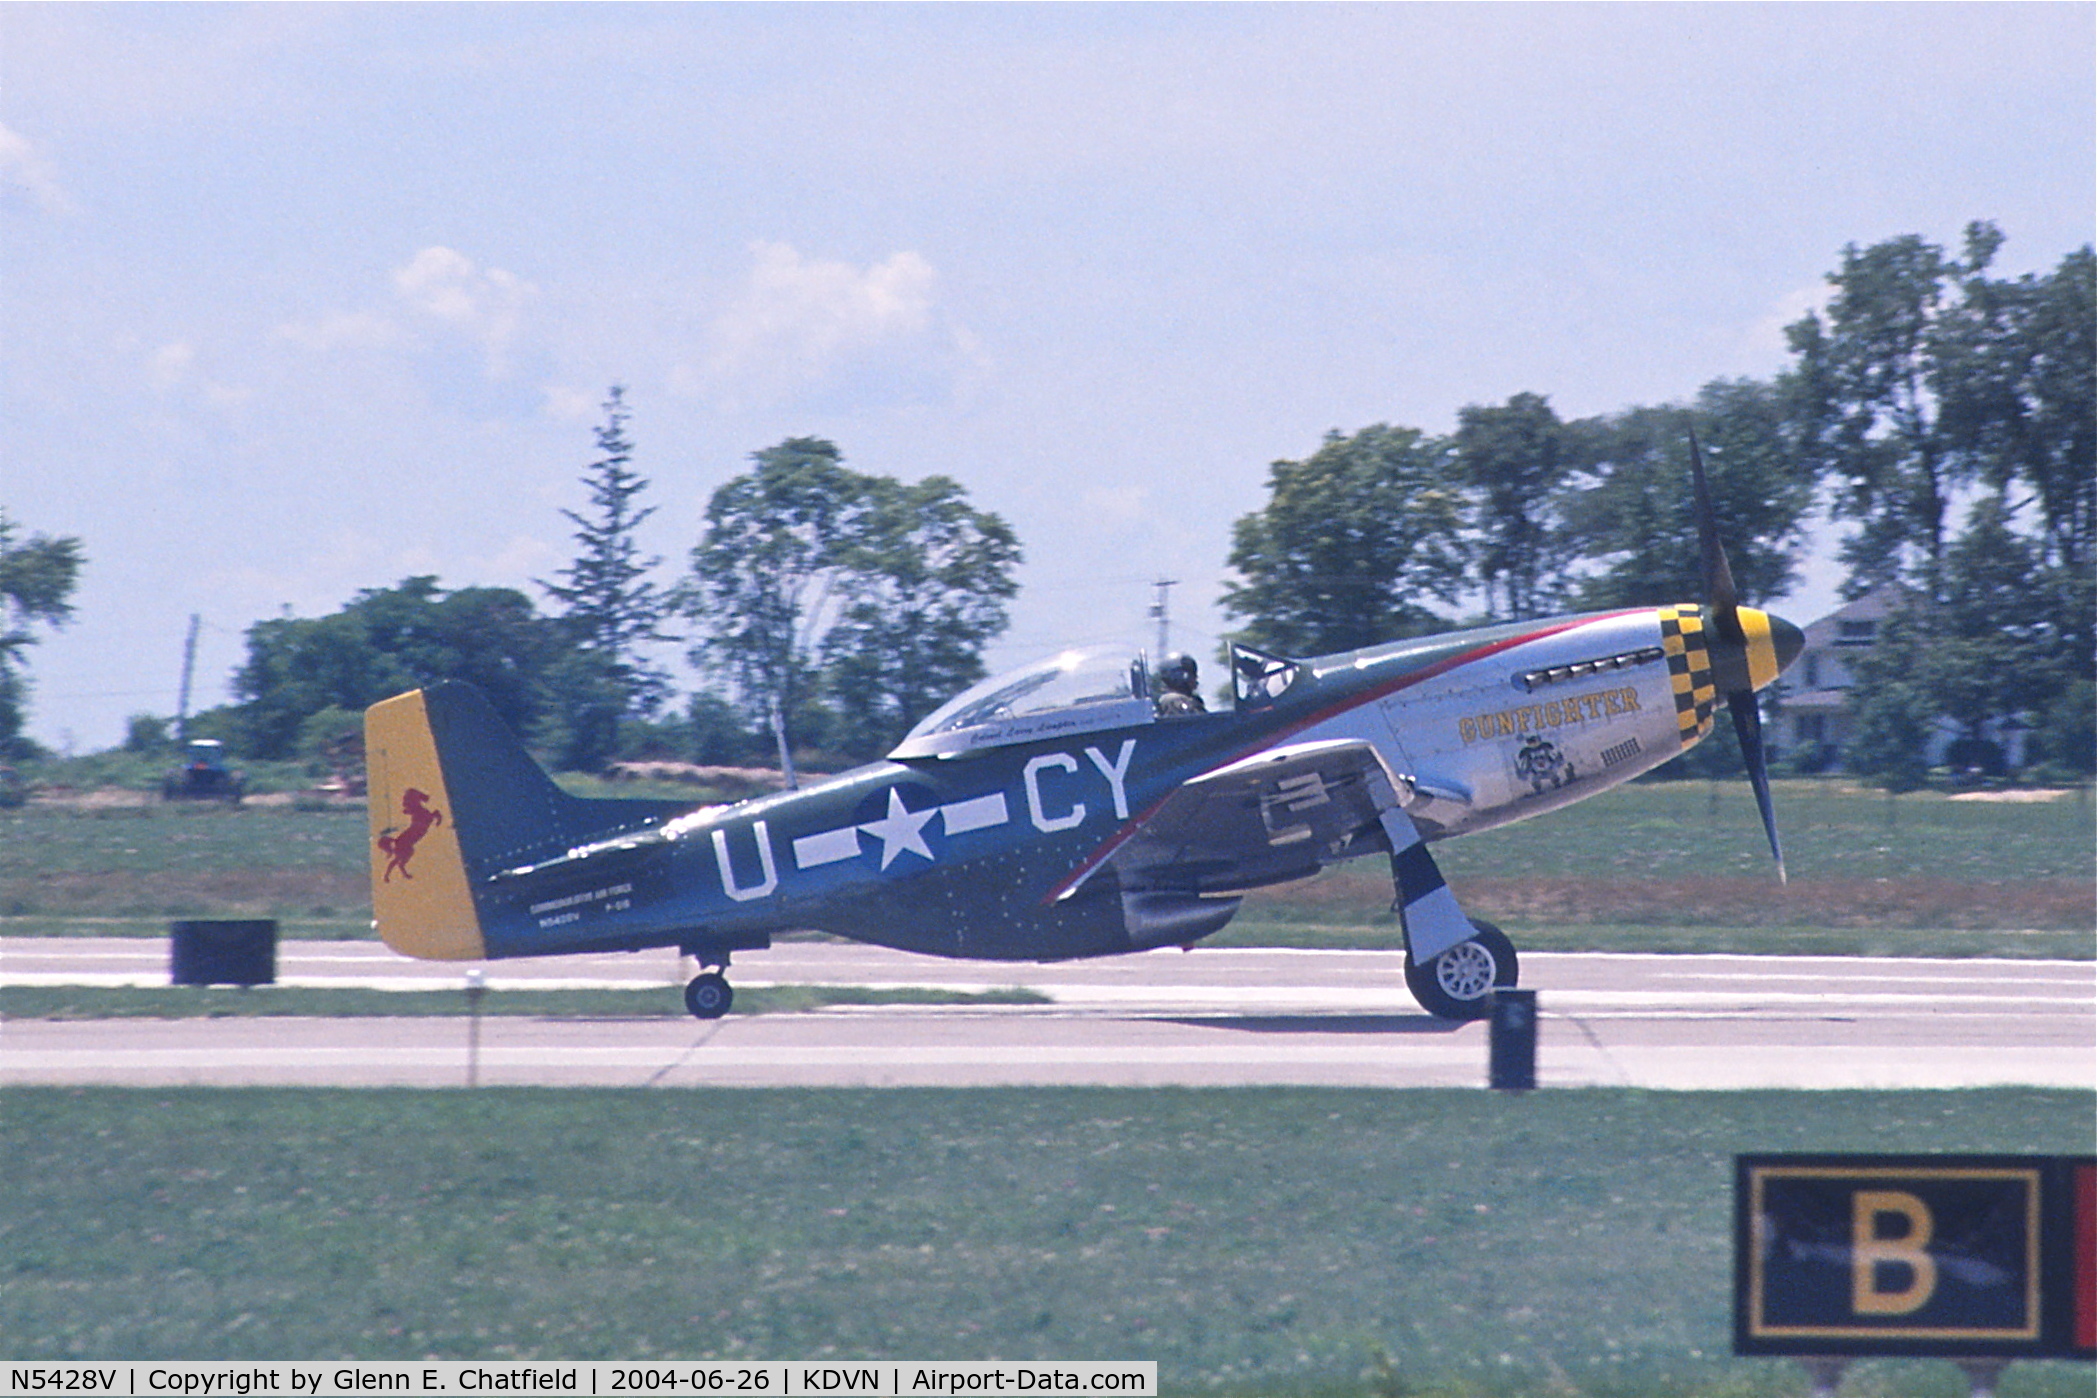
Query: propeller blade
[[1723, 597], [1719, 591], [1747, 726]]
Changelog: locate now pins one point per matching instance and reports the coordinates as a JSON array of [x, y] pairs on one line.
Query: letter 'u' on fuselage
[[419, 892]]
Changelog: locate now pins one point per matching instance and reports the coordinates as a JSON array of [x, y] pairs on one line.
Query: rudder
[[419, 890]]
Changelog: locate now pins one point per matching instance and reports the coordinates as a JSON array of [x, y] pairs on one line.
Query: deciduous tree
[[1629, 511], [1869, 386], [924, 581], [764, 576], [1516, 459], [816, 584], [37, 578], [2017, 380], [1352, 545], [384, 641]]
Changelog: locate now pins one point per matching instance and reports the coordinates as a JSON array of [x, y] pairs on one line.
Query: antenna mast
[[1159, 612]]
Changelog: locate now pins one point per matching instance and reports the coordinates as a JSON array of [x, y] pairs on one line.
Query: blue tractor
[[204, 776]]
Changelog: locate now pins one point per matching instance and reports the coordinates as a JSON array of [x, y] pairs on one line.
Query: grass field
[[1253, 1241], [1682, 866], [125, 871], [1663, 866]]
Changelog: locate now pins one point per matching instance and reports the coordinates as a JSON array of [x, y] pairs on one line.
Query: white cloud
[[486, 305], [174, 366], [522, 557], [169, 365], [798, 318], [1766, 336], [439, 296], [564, 404], [24, 169], [348, 330], [1116, 506]]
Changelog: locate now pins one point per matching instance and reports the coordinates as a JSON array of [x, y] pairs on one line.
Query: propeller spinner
[[1750, 649]]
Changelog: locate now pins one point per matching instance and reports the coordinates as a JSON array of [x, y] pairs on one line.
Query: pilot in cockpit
[[1179, 678]]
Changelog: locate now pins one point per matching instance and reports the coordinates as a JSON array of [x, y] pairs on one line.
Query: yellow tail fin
[[419, 891]]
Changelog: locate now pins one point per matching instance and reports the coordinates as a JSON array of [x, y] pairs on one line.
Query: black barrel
[[222, 952], [1514, 1040]]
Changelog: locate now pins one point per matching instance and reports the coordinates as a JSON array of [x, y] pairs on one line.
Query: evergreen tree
[[1989, 653], [609, 608], [1891, 734]]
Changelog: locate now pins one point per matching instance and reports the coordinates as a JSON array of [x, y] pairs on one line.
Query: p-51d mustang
[[1053, 812]]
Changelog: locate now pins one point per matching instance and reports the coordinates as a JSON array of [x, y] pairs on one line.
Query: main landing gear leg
[[1453, 963], [709, 995]]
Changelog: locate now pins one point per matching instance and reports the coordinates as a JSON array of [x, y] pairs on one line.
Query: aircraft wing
[[1276, 815]]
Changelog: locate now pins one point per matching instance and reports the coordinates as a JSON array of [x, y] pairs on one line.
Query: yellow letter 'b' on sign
[[1907, 1253]]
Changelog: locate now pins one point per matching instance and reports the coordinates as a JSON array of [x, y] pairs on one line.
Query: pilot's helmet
[[1179, 672]]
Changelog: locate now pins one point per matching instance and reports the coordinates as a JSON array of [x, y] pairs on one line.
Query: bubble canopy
[[1081, 690]]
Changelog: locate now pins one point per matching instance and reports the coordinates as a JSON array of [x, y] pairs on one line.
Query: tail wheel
[[709, 996], [1460, 982]]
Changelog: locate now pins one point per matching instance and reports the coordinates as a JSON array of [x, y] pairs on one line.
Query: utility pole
[[1160, 614], [189, 670]]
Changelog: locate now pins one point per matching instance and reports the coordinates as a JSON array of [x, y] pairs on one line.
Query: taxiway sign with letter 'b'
[[1949, 1255]]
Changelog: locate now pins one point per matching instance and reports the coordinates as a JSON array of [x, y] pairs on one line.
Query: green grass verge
[[1252, 1241], [1831, 831], [663, 1002], [129, 867], [1677, 866], [305, 929]]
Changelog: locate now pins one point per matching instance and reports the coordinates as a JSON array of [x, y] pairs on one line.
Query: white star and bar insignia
[[901, 830]]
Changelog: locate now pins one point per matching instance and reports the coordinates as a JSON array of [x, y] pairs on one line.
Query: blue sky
[[302, 299]]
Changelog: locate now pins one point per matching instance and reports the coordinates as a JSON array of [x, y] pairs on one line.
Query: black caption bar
[[772, 1378]]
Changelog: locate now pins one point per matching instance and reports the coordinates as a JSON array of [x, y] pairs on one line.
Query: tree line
[[1941, 416], [824, 611], [1946, 418]]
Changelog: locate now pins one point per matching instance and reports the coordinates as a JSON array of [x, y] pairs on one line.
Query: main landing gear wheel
[[1460, 982], [709, 996]]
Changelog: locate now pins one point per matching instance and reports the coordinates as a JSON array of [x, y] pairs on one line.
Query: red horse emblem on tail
[[399, 847]]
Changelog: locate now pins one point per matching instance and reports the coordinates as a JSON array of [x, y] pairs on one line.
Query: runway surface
[[1212, 1017]]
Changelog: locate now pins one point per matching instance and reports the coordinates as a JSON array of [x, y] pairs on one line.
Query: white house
[[1814, 710]]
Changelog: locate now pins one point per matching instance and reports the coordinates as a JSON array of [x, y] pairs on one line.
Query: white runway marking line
[[1198, 998], [1746, 966], [390, 984], [844, 1055]]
